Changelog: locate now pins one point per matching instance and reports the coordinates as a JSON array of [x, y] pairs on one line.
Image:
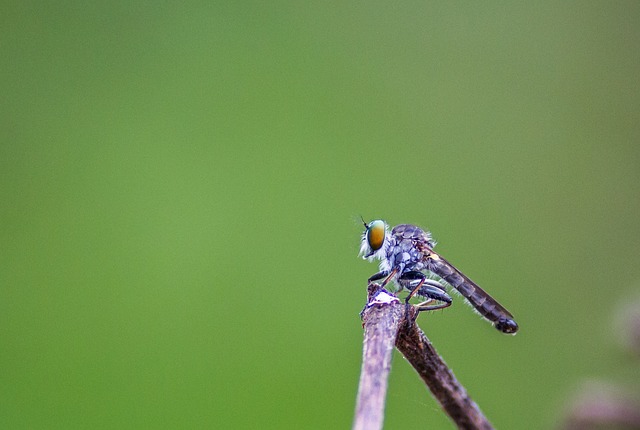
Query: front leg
[[378, 276], [383, 274]]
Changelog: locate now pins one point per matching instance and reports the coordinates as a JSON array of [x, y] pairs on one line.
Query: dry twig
[[385, 324]]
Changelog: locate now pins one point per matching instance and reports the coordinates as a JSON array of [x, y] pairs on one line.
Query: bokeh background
[[181, 186]]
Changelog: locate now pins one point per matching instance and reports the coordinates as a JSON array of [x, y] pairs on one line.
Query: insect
[[406, 252]]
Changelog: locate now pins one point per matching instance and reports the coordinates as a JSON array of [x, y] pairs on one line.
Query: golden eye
[[375, 234]]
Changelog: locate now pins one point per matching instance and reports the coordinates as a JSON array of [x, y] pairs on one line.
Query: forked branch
[[385, 324]]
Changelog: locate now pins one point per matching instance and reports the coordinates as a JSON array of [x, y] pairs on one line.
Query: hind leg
[[418, 284]]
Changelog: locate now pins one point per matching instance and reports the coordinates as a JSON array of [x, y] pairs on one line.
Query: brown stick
[[380, 322], [418, 350], [385, 324]]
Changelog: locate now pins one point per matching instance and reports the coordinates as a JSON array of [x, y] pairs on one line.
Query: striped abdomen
[[486, 305]]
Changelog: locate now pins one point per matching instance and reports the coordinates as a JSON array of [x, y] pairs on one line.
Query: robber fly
[[406, 252]]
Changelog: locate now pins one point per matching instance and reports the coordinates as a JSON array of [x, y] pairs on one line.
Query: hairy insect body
[[403, 253]]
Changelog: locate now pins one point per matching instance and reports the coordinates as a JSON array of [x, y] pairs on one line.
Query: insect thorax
[[403, 255]]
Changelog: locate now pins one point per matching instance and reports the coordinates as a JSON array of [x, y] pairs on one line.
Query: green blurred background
[[181, 186]]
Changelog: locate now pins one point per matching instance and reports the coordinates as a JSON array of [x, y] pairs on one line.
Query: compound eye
[[375, 234]]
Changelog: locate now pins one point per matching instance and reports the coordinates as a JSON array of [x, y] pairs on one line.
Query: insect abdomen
[[486, 305]]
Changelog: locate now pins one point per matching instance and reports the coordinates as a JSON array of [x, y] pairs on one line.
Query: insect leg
[[418, 284], [378, 276], [427, 306], [387, 275]]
